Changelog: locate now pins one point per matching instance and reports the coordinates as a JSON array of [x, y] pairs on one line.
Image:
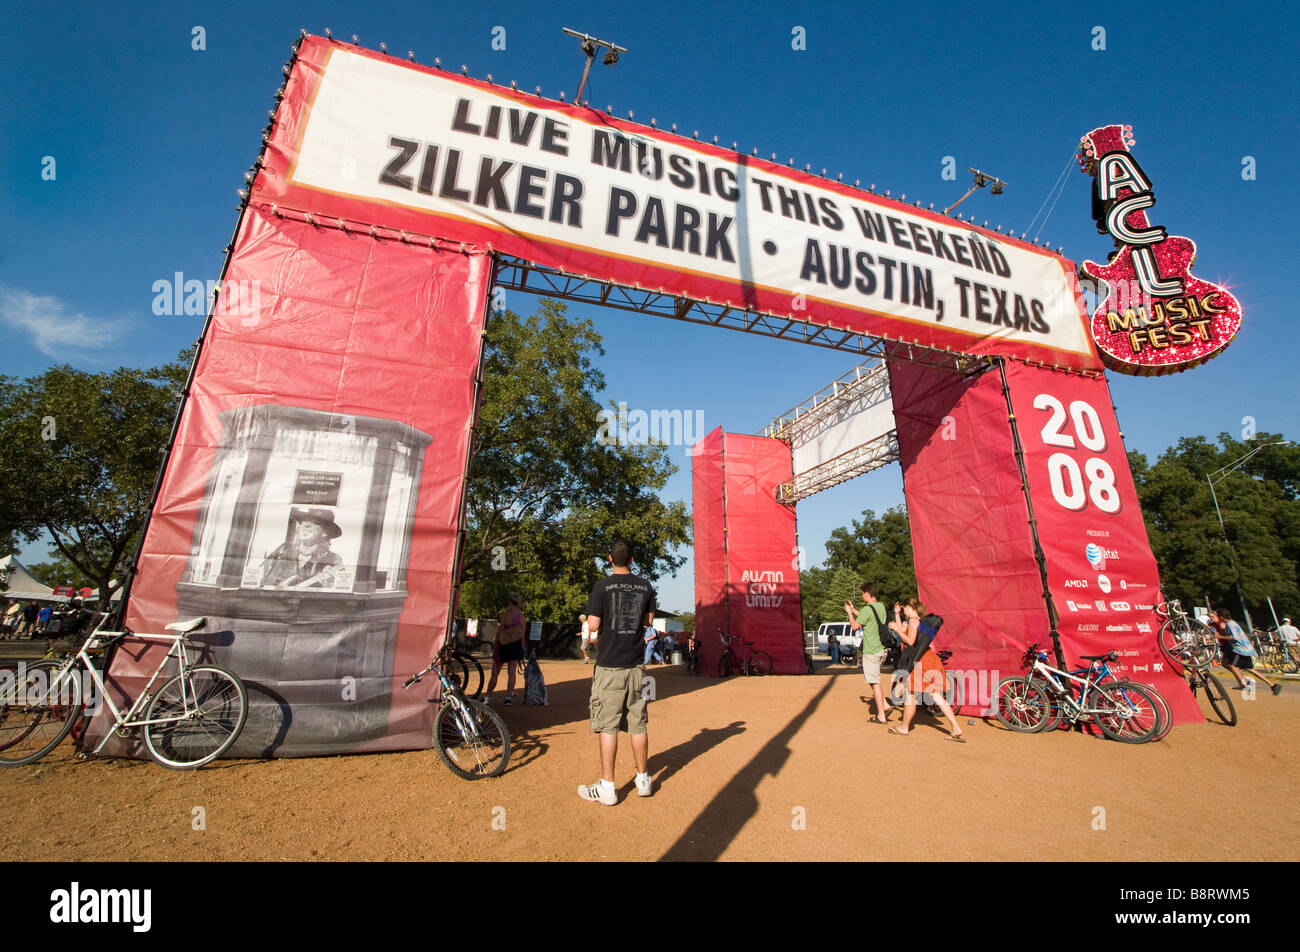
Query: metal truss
[[519, 275], [873, 454], [867, 382]]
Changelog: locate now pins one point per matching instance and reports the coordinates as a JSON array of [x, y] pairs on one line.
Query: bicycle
[[1184, 640], [1100, 665], [754, 662], [192, 719], [470, 737], [1215, 692], [1046, 695], [1273, 653]]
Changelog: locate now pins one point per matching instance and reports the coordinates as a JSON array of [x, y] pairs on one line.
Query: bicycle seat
[[1094, 657], [185, 627]]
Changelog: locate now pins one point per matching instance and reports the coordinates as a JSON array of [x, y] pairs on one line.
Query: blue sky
[[151, 139]]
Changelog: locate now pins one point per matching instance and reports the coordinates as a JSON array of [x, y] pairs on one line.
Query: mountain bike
[[190, 720], [1125, 711], [753, 662], [1099, 668], [1184, 640], [470, 737], [1215, 693]]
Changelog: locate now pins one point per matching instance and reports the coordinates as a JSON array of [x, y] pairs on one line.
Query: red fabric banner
[[971, 539], [1103, 577], [757, 593], [310, 506]]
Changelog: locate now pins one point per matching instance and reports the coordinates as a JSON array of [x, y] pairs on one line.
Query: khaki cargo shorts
[[616, 701], [871, 666]]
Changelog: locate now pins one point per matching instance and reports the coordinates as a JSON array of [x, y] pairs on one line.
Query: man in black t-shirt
[[620, 608]]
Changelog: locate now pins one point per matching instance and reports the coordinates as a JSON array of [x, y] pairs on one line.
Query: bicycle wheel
[[471, 738], [200, 731], [1160, 708], [473, 675], [1219, 700], [1166, 715], [1187, 646], [1125, 712], [1020, 705], [724, 665], [760, 662], [37, 710]]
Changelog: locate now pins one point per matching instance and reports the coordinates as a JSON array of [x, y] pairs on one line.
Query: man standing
[[619, 609], [1290, 638], [871, 622], [585, 635]]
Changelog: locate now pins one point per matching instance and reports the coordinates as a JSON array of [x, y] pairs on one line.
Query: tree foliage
[[1261, 519], [874, 549], [78, 456], [545, 499]]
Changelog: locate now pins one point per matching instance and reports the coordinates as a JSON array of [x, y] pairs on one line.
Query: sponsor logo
[[1097, 555], [1141, 667], [1098, 533], [1101, 605], [1119, 627], [760, 588], [1144, 607], [1103, 583], [1157, 667], [1123, 584], [1076, 583], [1144, 628], [1070, 605], [1121, 606], [1088, 627]]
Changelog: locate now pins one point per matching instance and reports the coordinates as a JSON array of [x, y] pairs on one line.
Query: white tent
[[22, 584]]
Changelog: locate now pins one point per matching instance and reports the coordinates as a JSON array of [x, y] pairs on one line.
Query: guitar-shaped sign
[[1155, 318]]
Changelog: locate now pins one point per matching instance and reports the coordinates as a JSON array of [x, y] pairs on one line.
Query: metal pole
[[1273, 611], [1232, 556]]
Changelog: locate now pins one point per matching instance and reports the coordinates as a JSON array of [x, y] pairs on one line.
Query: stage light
[[610, 58]]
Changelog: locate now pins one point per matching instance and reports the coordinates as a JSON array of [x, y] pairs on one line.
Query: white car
[[841, 631]]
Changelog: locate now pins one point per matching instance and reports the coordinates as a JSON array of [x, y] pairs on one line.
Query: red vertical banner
[[710, 534], [311, 504], [971, 538], [1103, 577], [746, 564]]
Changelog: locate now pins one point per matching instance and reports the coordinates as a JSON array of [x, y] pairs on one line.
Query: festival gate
[[310, 504]]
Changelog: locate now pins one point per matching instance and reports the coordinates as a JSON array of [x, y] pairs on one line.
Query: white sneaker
[[644, 789], [598, 793]]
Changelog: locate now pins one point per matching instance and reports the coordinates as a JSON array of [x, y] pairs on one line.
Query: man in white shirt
[[1291, 638]]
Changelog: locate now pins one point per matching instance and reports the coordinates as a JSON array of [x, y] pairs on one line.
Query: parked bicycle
[[1184, 640], [752, 662], [470, 737], [1123, 711], [192, 719], [1273, 653]]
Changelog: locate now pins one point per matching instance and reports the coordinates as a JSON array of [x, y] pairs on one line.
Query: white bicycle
[[189, 721]]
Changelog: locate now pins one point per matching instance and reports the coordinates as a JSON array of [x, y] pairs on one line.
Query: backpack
[[887, 637], [926, 631]]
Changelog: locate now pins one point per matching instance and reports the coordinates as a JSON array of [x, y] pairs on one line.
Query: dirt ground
[[746, 769]]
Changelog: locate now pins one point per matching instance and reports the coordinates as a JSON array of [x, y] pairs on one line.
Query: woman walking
[[509, 648], [927, 675]]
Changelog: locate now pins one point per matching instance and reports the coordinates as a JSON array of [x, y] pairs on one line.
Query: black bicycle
[[470, 737], [1215, 693]]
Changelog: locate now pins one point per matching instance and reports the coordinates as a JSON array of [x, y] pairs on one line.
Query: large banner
[[376, 140], [756, 595], [310, 506], [971, 541], [1103, 577]]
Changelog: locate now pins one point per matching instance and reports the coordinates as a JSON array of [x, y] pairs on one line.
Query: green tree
[[59, 570], [78, 457], [1261, 519], [545, 497], [874, 549]]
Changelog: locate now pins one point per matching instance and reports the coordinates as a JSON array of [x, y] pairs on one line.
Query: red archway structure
[[336, 381]]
